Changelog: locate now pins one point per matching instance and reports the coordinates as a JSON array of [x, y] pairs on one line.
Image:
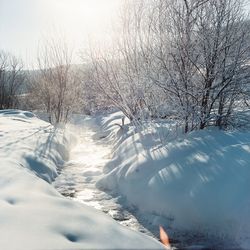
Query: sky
[[25, 23]]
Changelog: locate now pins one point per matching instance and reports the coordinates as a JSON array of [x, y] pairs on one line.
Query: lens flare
[[164, 238]]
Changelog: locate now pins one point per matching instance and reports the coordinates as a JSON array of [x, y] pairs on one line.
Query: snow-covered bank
[[33, 215], [199, 181]]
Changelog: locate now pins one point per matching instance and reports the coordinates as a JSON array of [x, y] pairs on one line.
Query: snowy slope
[[32, 213], [200, 181]]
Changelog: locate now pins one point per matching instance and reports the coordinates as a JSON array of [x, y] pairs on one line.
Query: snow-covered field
[[199, 182], [33, 215], [196, 184]]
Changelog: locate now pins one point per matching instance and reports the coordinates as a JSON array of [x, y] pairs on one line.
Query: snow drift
[[33, 215], [200, 181]]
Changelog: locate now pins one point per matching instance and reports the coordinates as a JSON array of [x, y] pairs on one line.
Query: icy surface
[[33, 215], [80, 174]]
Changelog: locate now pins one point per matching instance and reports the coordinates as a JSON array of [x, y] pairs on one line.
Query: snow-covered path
[[33, 215], [78, 179], [79, 176]]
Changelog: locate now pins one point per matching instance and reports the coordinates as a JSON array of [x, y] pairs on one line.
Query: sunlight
[[137, 108], [24, 23], [94, 155], [80, 22], [85, 17]]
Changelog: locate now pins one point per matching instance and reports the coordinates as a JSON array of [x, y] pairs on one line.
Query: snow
[[196, 183], [33, 215], [78, 178], [199, 181]]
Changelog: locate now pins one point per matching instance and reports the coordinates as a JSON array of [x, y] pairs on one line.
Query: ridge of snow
[[33, 215], [199, 181]]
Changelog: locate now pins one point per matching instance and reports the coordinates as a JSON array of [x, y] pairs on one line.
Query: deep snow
[[195, 185], [78, 177], [33, 215], [198, 182]]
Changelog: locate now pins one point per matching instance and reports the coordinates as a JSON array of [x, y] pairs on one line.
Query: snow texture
[[33, 215], [200, 180]]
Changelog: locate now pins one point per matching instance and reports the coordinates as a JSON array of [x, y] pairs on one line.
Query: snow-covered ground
[[198, 183], [78, 177], [33, 215]]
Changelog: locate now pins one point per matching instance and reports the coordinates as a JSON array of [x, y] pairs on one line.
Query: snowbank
[[199, 181], [33, 215]]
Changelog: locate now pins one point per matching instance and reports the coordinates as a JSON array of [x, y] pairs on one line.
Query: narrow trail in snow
[[78, 178], [77, 181]]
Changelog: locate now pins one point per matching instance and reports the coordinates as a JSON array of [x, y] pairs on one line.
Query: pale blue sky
[[23, 23]]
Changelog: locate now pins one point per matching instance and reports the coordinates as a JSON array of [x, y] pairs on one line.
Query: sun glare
[[87, 16], [81, 21], [25, 23]]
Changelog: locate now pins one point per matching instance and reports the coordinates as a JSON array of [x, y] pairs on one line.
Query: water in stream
[[77, 181], [78, 178]]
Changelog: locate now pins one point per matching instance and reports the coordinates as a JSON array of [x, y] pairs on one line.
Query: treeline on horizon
[[182, 60]]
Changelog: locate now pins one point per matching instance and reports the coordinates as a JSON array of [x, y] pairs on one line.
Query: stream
[[78, 177], [77, 181]]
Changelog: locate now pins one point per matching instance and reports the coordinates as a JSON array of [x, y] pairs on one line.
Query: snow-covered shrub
[[186, 57]]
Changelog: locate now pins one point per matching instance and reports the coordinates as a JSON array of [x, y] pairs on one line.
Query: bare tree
[[188, 56], [56, 85], [224, 54], [11, 80], [120, 73], [198, 56]]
